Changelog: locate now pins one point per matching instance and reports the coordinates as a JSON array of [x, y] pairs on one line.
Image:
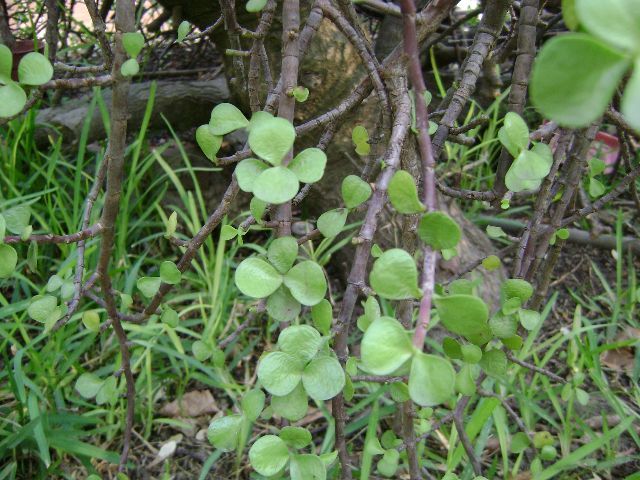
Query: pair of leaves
[[297, 362], [169, 273], [45, 309], [258, 278], [90, 385], [224, 432], [269, 456], [575, 75], [34, 69], [386, 348], [529, 168]]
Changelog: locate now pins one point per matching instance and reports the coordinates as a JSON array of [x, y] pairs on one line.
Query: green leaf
[[172, 224], [223, 432], [432, 380], [503, 326], [282, 306], [616, 22], [385, 346], [225, 118], [495, 232], [322, 316], [465, 383], [308, 165], [388, 464], [301, 94], [88, 385], [492, 262], [452, 348], [8, 260], [280, 372], [130, 68], [371, 313], [529, 169], [257, 278], [292, 406], [282, 253], [307, 283], [519, 442], [257, 208], [170, 317], [295, 437], [307, 467], [494, 363], [133, 42], [209, 142], [252, 404], [183, 30], [12, 99], [91, 320], [276, 185], [332, 222], [529, 319], [301, 341], [34, 69], [42, 307], [201, 351], [471, 353], [511, 306], [403, 193], [108, 393], [228, 232], [247, 171], [376, 251], [148, 285], [169, 273], [269, 455], [6, 63], [574, 77], [516, 288], [360, 138], [271, 139], [395, 276], [596, 188], [596, 166], [255, 5], [54, 283], [355, 191], [513, 343], [514, 134], [569, 14], [323, 378], [631, 98], [439, 230], [462, 314], [3, 228]]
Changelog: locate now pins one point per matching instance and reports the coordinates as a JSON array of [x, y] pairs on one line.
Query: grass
[[48, 430]]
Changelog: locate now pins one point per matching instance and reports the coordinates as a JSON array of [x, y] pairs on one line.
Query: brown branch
[[79, 236], [255, 54], [535, 368], [462, 433], [99, 28]]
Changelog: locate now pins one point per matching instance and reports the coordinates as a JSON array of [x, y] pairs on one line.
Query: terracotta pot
[[20, 49]]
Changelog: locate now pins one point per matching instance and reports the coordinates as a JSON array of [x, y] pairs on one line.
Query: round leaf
[[464, 381], [252, 404], [439, 231], [631, 98], [247, 171], [91, 320], [432, 380], [332, 222], [514, 134], [133, 42], [616, 22], [494, 362], [307, 467], [268, 455], [462, 314], [226, 118], [169, 273], [403, 193], [360, 138], [223, 432], [516, 288], [42, 307], [282, 253], [282, 306], [257, 278], [306, 282], [170, 317], [88, 385], [6, 63], [255, 5], [292, 406], [279, 372], [395, 276], [301, 341], [272, 138], [355, 191], [296, 437], [148, 285], [574, 77], [276, 185], [183, 30], [130, 68], [308, 165], [322, 316], [471, 353], [8, 260], [323, 378], [385, 346], [209, 142], [12, 99], [34, 69]]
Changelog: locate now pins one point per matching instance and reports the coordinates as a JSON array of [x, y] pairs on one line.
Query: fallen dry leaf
[[622, 359], [192, 404]]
